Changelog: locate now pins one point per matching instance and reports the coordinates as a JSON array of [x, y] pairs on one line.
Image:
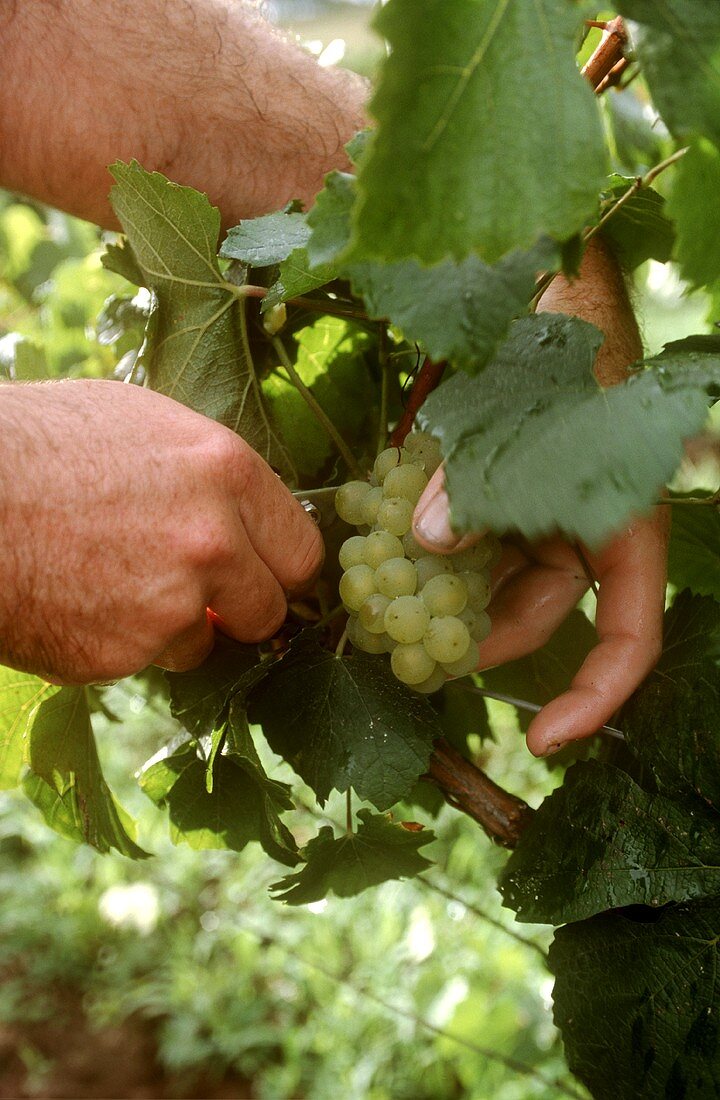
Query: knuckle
[[223, 454]]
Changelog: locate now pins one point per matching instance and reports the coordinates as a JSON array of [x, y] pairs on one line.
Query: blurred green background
[[178, 976]]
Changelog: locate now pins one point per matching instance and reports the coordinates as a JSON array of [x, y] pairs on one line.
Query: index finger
[[631, 601], [279, 529]]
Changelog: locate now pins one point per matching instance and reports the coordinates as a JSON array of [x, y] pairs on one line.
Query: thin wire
[[524, 704], [493, 1055]]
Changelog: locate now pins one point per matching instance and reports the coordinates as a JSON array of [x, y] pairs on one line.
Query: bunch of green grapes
[[426, 610]]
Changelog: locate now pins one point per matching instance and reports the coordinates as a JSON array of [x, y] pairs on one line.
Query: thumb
[[431, 522]]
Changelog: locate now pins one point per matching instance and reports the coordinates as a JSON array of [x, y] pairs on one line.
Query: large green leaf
[[488, 137], [199, 698], [678, 43], [694, 558], [198, 352], [456, 311], [349, 864], [20, 696], [637, 1002], [533, 443], [242, 806], [600, 841], [694, 204], [672, 723], [72, 791], [345, 722]]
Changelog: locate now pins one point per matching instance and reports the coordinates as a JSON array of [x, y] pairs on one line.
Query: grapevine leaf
[[600, 841], [636, 1000], [242, 806], [199, 352], [694, 560], [457, 311], [692, 636], [329, 219], [546, 673], [331, 362], [200, 697], [672, 722], [268, 240], [344, 722], [678, 44], [297, 277], [20, 696], [347, 865], [72, 792], [533, 443], [640, 230], [121, 259], [694, 203], [450, 171]]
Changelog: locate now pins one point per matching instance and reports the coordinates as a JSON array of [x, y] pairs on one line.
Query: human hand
[[536, 585], [124, 516]]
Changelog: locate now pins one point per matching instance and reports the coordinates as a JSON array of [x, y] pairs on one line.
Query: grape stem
[[502, 815], [429, 376], [317, 410]]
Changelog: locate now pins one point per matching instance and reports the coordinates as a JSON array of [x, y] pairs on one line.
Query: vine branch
[[502, 815], [428, 378]]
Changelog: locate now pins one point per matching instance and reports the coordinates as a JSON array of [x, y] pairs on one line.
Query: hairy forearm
[[202, 90], [600, 297]]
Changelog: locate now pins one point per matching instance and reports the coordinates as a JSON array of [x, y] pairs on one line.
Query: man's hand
[[124, 517], [536, 586]]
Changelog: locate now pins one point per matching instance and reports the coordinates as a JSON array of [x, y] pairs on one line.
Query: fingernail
[[433, 523], [552, 749]]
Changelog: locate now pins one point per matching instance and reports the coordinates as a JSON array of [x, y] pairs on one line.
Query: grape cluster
[[426, 610]]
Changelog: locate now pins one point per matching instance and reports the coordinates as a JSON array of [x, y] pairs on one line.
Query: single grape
[[407, 619], [445, 594], [427, 456], [363, 639], [474, 558], [386, 461], [415, 440], [396, 577], [356, 585], [482, 626], [433, 683], [372, 502], [405, 481], [395, 515], [381, 545], [371, 615], [351, 552], [432, 565], [412, 547], [477, 622], [468, 663], [478, 590], [411, 663], [446, 639], [349, 501]]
